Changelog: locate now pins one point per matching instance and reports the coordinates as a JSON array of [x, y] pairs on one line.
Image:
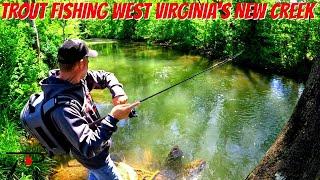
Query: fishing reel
[[133, 113]]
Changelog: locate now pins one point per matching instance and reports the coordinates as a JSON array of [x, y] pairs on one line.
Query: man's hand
[[120, 100], [122, 111]]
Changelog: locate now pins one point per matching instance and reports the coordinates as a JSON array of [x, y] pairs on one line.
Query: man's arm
[[102, 80], [89, 141], [78, 132]]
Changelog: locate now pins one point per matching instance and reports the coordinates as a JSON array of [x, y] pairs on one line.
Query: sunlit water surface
[[227, 117]]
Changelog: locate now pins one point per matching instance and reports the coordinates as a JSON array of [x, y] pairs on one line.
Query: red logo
[[28, 160]]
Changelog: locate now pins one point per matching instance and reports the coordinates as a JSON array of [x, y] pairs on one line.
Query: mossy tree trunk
[[295, 154]]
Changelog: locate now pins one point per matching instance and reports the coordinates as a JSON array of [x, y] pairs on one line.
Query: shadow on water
[[227, 117]]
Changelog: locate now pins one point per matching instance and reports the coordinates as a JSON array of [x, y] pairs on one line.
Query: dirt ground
[[73, 170]]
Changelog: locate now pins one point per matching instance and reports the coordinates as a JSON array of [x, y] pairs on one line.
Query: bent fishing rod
[[193, 76], [133, 113]]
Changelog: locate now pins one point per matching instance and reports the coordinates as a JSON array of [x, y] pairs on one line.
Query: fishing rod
[[38, 153], [133, 112], [193, 76]]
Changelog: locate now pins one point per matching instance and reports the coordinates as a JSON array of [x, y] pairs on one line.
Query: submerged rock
[[175, 169]]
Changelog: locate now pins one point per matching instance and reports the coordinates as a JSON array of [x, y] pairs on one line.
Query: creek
[[228, 116]]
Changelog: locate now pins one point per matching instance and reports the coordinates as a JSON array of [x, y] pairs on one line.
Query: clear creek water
[[228, 116]]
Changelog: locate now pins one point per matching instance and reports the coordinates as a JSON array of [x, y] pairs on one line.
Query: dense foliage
[[21, 70], [281, 46]]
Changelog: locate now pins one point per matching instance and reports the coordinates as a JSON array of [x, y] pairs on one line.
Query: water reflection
[[228, 117]]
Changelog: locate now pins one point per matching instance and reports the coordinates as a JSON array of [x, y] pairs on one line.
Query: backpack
[[35, 118]]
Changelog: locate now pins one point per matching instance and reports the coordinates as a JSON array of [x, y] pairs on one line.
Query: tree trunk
[[63, 25], [35, 30], [34, 27], [295, 154]]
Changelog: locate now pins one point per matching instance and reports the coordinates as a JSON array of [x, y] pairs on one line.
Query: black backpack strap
[[58, 101], [48, 107]]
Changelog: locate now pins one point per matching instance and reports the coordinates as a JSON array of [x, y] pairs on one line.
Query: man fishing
[[88, 142]]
